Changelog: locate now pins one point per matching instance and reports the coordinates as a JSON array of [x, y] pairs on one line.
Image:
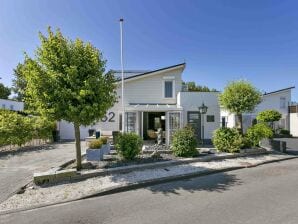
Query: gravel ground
[[35, 195]]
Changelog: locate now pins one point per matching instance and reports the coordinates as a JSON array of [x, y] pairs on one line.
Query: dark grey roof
[[280, 90], [135, 73], [128, 73]]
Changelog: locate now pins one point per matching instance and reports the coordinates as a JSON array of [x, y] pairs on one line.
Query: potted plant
[[95, 151], [105, 145]]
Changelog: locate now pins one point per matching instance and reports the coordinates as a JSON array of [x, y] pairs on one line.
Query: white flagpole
[[122, 74]]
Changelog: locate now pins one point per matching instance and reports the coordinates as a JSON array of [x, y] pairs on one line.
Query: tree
[[239, 97], [4, 91], [192, 87], [66, 81], [19, 82], [269, 116]]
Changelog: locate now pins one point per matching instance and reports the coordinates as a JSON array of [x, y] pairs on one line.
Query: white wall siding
[[190, 101], [294, 124], [149, 89], [11, 105]]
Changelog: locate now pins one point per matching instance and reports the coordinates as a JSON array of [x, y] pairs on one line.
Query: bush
[[129, 145], [227, 140], [258, 132], [95, 144], [17, 129], [269, 116], [184, 143], [104, 140]]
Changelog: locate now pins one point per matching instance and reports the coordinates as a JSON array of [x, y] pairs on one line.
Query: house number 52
[[109, 117]]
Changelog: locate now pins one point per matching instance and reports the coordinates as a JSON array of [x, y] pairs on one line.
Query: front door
[[194, 120]]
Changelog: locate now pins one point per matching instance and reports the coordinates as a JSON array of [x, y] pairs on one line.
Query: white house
[[293, 111], [152, 100], [11, 105], [279, 100]]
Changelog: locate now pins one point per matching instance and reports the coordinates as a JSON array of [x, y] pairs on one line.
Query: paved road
[[266, 194], [17, 170]]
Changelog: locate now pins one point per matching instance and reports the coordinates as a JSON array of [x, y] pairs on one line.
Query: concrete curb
[[146, 183]]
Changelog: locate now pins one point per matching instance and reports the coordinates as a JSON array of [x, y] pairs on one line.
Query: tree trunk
[[78, 146], [239, 116]]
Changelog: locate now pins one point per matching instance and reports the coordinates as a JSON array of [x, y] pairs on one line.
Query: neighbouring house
[[152, 100], [293, 111], [279, 100], [11, 105]]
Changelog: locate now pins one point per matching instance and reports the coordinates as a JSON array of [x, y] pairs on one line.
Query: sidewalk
[[68, 191]]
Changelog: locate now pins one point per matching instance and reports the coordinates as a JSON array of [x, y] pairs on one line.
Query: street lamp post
[[203, 110]]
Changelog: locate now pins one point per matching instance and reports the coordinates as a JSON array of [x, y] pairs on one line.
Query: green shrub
[[129, 145], [95, 144], [258, 132], [17, 129], [104, 140], [284, 132], [227, 140], [184, 143], [268, 116]]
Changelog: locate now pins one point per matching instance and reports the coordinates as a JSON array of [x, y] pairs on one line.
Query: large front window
[[131, 119]]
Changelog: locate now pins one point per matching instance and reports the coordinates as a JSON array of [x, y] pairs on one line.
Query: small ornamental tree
[[66, 80], [269, 116], [239, 97], [19, 82]]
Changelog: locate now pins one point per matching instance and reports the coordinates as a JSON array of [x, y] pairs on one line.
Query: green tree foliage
[[66, 81], [239, 97], [184, 143], [227, 140], [4, 91], [129, 145], [269, 116], [258, 132], [193, 87], [19, 82], [16, 129]]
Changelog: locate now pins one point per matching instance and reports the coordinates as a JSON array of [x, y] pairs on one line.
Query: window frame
[[164, 88], [210, 115]]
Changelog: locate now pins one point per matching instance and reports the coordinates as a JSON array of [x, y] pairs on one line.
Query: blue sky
[[220, 41]]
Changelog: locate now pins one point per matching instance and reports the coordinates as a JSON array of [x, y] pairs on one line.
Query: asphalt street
[[266, 194]]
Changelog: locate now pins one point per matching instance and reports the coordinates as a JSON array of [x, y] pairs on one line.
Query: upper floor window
[[169, 89], [282, 102]]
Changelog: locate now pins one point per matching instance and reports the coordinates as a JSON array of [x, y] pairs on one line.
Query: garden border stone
[[50, 176]]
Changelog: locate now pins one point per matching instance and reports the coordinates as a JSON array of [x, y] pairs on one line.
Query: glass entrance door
[[174, 124], [194, 120]]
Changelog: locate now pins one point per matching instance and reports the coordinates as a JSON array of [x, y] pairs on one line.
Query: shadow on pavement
[[218, 182]]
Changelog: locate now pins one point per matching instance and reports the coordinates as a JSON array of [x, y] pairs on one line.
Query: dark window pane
[[210, 118], [168, 89]]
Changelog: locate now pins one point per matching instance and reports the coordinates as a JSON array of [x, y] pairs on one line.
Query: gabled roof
[[150, 72], [280, 90]]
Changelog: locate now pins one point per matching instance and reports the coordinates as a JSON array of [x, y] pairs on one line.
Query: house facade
[[11, 105], [279, 100], [293, 112], [153, 100]]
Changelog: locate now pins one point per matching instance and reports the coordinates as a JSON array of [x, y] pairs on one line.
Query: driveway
[[266, 194], [292, 145], [17, 170]]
